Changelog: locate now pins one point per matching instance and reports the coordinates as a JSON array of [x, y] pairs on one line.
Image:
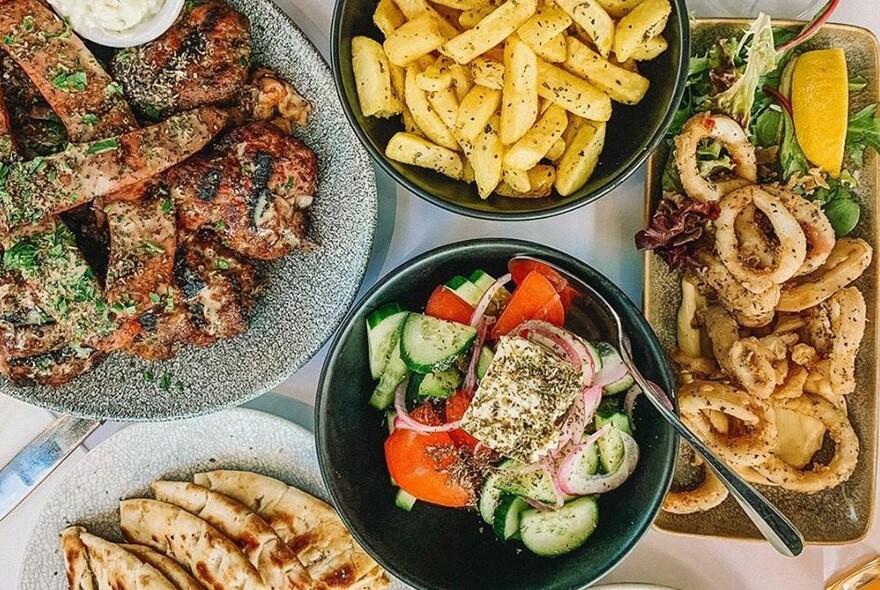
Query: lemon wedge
[[820, 107]]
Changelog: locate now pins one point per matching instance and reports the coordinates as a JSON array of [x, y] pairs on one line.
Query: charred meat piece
[[252, 189], [7, 141], [202, 59], [89, 103], [25, 328], [36, 129], [163, 330], [269, 98], [31, 191], [55, 367], [65, 287], [142, 242], [216, 287]]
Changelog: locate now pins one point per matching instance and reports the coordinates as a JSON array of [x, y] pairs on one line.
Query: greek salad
[[492, 404]]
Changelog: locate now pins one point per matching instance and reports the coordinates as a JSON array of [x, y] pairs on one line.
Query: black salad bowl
[[442, 548]]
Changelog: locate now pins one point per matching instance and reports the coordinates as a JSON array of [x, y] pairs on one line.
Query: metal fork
[[775, 526]]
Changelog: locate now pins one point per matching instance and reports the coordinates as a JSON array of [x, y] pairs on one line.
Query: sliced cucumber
[[486, 356], [404, 500], [588, 460], [533, 484], [481, 280], [618, 420], [611, 450], [489, 498], [383, 332], [597, 356], [430, 344], [465, 289], [611, 358], [394, 374], [505, 522], [440, 384], [554, 533]]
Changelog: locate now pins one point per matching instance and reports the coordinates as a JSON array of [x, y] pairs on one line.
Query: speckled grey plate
[[307, 294], [841, 514], [124, 465]]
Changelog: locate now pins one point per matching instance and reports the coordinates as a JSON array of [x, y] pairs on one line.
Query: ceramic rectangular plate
[[842, 514]]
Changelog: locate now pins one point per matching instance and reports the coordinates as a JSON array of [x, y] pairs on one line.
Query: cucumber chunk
[[611, 358], [490, 495], [505, 522], [465, 289], [555, 533], [588, 460], [618, 420], [440, 384], [611, 450], [533, 484], [481, 280], [394, 374], [404, 500], [486, 356], [430, 344], [383, 332]]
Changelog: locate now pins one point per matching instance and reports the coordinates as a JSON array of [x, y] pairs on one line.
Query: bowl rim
[[578, 266], [680, 14], [143, 32]]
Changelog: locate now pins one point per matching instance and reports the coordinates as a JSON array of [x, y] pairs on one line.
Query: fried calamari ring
[[847, 261], [726, 131], [815, 225], [748, 445], [723, 333], [751, 310], [696, 366], [750, 475], [819, 383], [756, 248], [793, 385], [820, 477], [707, 495], [792, 250], [752, 365], [847, 311]]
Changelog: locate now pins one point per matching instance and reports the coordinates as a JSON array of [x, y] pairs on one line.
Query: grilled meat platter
[[139, 189]]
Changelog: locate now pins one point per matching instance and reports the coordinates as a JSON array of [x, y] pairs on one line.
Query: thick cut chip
[[497, 26]]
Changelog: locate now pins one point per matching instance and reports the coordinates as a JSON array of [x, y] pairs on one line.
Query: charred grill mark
[[149, 321], [187, 280], [209, 185], [260, 195]]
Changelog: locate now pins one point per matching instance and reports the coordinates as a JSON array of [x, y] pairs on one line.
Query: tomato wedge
[[521, 267], [444, 304], [535, 298], [421, 463], [455, 409]]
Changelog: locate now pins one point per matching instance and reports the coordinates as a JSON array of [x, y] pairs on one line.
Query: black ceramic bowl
[[633, 131], [435, 547]]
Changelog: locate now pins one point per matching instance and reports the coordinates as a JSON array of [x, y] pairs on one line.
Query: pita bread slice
[[76, 560], [212, 559], [309, 526], [277, 564], [117, 569], [169, 568]]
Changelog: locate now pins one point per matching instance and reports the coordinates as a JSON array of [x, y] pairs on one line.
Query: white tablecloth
[[601, 235]]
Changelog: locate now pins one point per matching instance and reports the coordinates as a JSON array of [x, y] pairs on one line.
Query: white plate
[[124, 465]]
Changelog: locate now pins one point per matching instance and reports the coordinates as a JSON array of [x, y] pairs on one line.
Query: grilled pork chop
[[211, 300], [252, 188], [202, 59], [35, 128], [143, 237], [64, 70], [31, 191]]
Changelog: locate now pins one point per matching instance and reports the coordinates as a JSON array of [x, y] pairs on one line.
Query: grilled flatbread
[[215, 561], [76, 560], [276, 562], [169, 568], [117, 569], [309, 526]]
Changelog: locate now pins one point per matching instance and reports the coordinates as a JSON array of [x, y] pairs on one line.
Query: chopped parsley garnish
[[70, 81], [104, 145], [22, 256], [169, 301], [222, 264], [123, 308], [27, 23], [9, 40], [149, 376], [165, 382], [152, 248], [155, 298], [113, 89], [167, 206], [219, 225], [90, 118]]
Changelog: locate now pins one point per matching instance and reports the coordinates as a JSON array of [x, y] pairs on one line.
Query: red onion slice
[[486, 299], [579, 483], [610, 375], [470, 380], [629, 402], [406, 422]]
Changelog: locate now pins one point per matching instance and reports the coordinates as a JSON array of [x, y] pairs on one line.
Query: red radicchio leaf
[[675, 230]]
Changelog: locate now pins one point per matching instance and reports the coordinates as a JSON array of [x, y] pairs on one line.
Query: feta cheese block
[[520, 402]]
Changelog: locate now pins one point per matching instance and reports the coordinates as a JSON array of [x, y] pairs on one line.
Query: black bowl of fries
[[515, 110]]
